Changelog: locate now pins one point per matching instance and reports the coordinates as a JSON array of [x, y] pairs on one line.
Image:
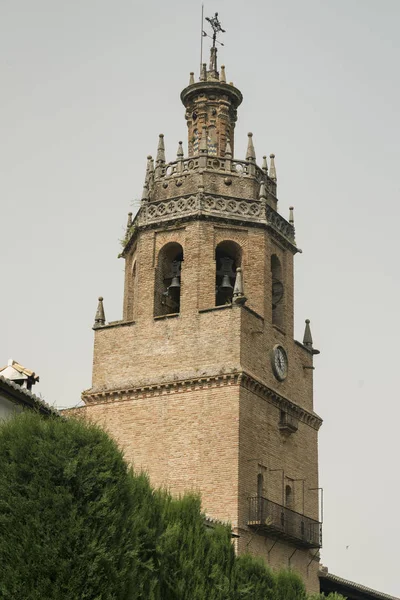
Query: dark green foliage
[[252, 580], [331, 596], [77, 524], [289, 586], [195, 562], [66, 506]]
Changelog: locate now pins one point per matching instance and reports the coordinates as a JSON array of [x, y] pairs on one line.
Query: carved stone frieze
[[247, 210], [280, 224]]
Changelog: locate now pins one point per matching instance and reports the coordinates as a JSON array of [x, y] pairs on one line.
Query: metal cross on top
[[216, 27]]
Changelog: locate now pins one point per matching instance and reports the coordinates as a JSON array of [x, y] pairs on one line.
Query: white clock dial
[[279, 362]]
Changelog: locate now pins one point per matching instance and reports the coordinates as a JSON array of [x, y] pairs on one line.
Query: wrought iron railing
[[279, 521]]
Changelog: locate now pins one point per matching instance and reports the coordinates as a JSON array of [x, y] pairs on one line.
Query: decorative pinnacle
[[191, 78], [145, 193], [308, 341], [263, 192], [238, 290], [203, 74], [307, 338], [250, 154], [179, 153], [129, 223], [213, 70], [149, 172], [222, 75], [100, 318], [291, 215], [272, 169], [265, 165], [160, 150]]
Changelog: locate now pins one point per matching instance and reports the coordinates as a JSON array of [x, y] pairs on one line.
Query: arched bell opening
[[167, 289], [277, 292], [228, 257]]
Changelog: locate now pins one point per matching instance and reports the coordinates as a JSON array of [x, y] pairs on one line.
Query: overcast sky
[[87, 86]]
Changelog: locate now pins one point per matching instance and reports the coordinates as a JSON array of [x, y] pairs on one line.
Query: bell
[[175, 283], [226, 285]]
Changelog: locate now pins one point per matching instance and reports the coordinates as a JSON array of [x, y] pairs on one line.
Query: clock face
[[279, 362]]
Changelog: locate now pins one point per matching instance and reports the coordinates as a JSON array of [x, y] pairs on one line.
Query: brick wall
[[192, 397]]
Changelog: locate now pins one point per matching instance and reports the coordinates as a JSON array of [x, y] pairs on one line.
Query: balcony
[[280, 522]]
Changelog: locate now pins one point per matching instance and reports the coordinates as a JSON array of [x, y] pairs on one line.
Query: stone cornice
[[157, 389], [200, 206], [243, 379], [207, 87], [259, 388]]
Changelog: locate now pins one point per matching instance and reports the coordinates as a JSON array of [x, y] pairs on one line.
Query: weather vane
[[216, 27]]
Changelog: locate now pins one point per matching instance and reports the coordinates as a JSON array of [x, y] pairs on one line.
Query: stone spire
[[100, 318], [265, 165], [238, 290], [291, 215], [191, 78], [307, 338], [222, 75], [251, 153], [213, 70], [150, 171], [145, 193], [179, 153], [129, 223], [160, 150], [272, 169]]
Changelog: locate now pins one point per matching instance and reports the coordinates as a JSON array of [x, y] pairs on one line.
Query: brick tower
[[201, 382]]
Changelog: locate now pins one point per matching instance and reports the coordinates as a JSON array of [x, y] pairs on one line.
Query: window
[[167, 288], [288, 497], [260, 485]]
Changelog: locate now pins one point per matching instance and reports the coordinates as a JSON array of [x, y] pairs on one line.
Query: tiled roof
[[355, 586], [13, 368], [22, 396]]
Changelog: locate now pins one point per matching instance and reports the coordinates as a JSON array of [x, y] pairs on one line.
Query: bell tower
[[201, 382]]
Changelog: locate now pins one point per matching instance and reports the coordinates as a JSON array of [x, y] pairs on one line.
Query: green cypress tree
[[289, 586], [66, 513], [253, 580], [195, 561]]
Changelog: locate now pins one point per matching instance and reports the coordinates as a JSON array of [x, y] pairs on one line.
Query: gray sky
[[88, 85]]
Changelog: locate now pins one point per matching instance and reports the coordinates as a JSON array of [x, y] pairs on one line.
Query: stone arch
[[228, 257], [167, 285]]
